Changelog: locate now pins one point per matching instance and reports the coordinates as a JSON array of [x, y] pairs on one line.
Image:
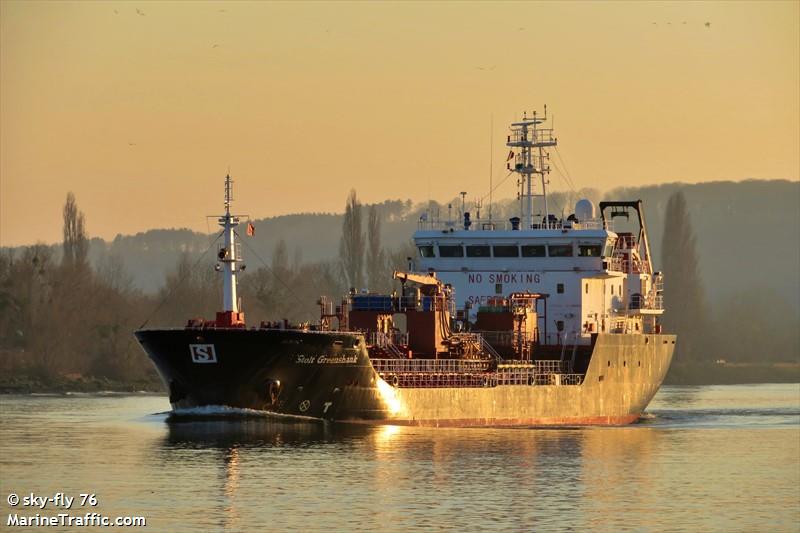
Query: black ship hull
[[329, 376]]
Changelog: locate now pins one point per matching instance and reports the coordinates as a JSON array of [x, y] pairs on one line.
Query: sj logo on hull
[[203, 353]]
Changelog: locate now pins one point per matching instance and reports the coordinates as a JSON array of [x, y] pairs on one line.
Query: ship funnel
[[467, 221], [514, 223]]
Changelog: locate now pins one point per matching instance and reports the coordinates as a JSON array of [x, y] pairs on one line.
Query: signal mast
[[229, 255], [531, 141]]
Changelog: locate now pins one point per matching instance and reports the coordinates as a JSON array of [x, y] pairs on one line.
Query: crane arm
[[419, 279]]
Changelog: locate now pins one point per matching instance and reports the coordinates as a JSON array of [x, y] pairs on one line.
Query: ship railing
[[435, 366], [552, 366], [444, 380], [531, 137], [379, 338], [394, 350], [489, 349], [558, 379], [439, 380], [654, 301], [516, 375], [424, 223], [620, 263], [508, 338], [616, 264], [429, 373]]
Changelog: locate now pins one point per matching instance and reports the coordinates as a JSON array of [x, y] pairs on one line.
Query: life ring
[[393, 380]]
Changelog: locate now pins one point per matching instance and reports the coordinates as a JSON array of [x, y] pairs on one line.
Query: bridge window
[[559, 250], [589, 250], [506, 251], [560, 288], [426, 251], [451, 251], [477, 251], [533, 251]]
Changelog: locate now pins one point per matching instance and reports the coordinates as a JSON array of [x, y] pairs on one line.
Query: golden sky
[[139, 108]]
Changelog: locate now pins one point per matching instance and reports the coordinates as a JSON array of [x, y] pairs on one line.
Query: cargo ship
[[539, 320]]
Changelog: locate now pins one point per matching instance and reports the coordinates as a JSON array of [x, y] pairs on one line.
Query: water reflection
[[726, 459], [230, 486], [526, 476], [256, 432]]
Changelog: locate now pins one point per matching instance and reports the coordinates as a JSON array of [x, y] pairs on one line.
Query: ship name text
[[326, 359]]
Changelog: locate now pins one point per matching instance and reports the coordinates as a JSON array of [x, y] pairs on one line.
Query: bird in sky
[[215, 46], [708, 25], [140, 12], [131, 144]]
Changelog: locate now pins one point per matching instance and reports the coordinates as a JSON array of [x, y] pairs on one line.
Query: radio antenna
[[491, 133]]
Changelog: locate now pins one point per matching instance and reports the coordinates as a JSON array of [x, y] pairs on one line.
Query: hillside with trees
[[729, 251]]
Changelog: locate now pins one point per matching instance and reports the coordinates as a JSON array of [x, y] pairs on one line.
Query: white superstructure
[[595, 280]]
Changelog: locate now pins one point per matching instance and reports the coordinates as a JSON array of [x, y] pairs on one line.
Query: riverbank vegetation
[[66, 317]]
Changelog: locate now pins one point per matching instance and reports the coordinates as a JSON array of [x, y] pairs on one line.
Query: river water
[[715, 458]]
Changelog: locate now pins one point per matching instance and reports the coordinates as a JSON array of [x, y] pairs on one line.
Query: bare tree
[[280, 259], [76, 246], [686, 312], [351, 246], [375, 254]]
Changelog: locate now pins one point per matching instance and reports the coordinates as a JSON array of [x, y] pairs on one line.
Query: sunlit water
[[718, 458]]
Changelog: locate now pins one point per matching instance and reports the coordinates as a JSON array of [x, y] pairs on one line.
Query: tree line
[[62, 316], [748, 325]]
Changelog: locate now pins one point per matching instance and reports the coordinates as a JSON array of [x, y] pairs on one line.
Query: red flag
[[510, 155], [251, 229]]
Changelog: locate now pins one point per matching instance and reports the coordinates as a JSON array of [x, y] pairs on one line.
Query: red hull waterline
[[508, 422]]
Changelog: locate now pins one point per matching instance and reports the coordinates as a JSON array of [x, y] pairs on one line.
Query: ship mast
[[227, 255], [532, 158]]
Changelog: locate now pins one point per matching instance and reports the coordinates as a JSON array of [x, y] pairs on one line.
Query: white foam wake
[[224, 411]]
